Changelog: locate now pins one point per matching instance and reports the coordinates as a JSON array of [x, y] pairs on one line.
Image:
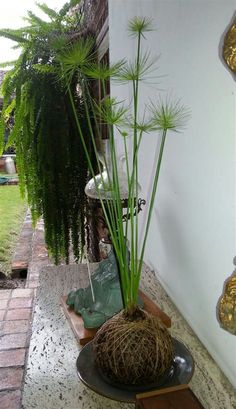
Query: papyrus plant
[[123, 121]]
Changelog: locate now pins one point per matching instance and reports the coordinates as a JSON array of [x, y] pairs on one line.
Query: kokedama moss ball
[[133, 348]]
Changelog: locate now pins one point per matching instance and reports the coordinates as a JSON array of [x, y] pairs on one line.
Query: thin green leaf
[[103, 71], [76, 56], [45, 68], [14, 35], [8, 110], [52, 14], [35, 20], [139, 25], [143, 126], [8, 63], [138, 70], [58, 42], [168, 115], [111, 111], [2, 134]]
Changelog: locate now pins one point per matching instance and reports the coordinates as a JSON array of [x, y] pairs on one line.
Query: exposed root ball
[[133, 351]]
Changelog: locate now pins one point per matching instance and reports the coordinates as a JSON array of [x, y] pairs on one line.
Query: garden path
[[16, 318]]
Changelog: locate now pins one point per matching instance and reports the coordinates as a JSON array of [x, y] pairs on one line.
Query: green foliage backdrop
[[50, 159]]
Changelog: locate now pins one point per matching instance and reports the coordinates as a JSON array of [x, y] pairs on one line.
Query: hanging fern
[[50, 159]]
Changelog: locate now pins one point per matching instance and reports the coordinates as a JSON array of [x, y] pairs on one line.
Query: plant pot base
[[91, 377]]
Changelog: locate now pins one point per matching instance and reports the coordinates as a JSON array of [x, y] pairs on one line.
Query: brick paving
[[16, 307], [2, 313], [16, 316], [12, 357], [15, 327], [10, 399]]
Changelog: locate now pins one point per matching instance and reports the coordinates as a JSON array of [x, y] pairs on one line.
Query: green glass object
[[107, 295], [107, 299]]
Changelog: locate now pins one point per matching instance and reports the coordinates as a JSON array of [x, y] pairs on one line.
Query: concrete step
[[39, 257], [23, 251]]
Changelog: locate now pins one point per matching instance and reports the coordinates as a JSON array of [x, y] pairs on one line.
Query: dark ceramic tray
[[180, 373]]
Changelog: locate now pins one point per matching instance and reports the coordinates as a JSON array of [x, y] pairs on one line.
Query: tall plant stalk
[[124, 122]]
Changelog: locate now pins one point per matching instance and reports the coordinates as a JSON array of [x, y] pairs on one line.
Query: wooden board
[[84, 335], [176, 397]]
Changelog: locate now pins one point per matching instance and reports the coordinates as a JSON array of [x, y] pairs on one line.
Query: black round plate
[[180, 373]]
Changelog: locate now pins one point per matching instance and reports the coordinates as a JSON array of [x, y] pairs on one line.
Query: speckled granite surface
[[51, 380]]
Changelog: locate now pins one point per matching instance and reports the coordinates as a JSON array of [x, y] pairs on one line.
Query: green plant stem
[[113, 210], [106, 214], [86, 92], [151, 205], [109, 204], [119, 220], [128, 179], [134, 193]]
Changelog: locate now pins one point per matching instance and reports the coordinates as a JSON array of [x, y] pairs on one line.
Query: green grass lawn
[[12, 213]]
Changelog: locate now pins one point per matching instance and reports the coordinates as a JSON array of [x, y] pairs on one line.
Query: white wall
[[193, 235]]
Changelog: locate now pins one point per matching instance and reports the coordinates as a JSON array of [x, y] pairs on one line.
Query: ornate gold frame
[[229, 47], [227, 305]]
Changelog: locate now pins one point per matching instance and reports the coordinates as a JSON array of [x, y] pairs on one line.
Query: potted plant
[[51, 163], [131, 347]]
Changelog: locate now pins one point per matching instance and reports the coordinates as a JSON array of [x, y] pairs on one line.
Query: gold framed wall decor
[[229, 47], [227, 304], [226, 307]]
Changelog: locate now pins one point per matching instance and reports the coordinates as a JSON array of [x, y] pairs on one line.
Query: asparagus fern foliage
[[51, 163]]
